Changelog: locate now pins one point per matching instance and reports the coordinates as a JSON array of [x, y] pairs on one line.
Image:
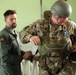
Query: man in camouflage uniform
[[53, 39]]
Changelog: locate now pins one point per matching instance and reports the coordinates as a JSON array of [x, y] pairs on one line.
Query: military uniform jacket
[[41, 26], [45, 30], [10, 54]]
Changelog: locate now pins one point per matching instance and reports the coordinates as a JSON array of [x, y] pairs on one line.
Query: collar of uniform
[[8, 30]]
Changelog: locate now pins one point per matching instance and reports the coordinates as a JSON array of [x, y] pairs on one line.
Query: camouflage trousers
[[68, 69]]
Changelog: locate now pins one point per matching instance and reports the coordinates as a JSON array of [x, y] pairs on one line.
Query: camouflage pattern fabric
[[55, 45]]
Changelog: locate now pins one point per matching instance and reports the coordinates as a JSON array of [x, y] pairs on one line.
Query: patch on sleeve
[[1, 38]]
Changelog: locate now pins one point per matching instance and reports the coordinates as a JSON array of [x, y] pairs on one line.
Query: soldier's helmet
[[61, 8]]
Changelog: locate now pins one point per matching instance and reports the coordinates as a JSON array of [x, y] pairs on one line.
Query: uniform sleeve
[[72, 31], [33, 29], [5, 52], [26, 33], [71, 27]]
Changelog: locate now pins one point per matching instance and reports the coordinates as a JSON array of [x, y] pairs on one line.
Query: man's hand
[[35, 40], [27, 54], [36, 58], [74, 48]]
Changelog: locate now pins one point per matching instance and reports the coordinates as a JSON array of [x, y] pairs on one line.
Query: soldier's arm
[[71, 26], [26, 33], [74, 39], [72, 33], [32, 32]]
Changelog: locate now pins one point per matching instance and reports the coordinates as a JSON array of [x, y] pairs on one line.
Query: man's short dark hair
[[9, 12]]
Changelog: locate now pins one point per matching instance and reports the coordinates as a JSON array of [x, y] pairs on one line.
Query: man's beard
[[12, 26]]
